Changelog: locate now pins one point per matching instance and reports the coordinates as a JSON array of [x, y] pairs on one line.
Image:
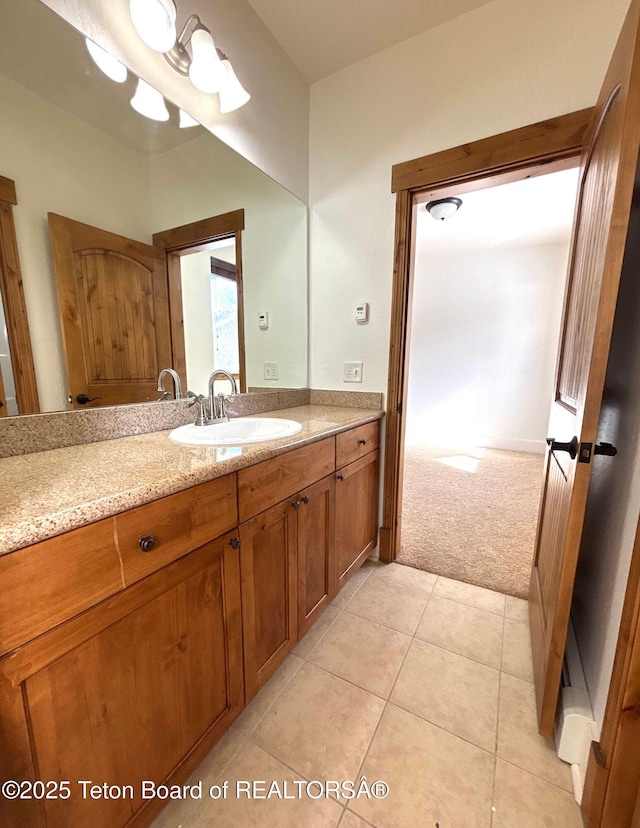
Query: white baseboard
[[512, 444]]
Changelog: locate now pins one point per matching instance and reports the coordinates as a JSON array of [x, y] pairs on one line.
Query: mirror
[[74, 147]]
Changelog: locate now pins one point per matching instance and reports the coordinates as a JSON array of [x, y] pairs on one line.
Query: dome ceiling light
[[443, 208]]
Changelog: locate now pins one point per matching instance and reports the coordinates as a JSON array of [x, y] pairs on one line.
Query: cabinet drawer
[[175, 525], [50, 582], [260, 486], [350, 445]]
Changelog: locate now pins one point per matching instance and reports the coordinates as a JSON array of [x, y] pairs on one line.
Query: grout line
[[536, 776]]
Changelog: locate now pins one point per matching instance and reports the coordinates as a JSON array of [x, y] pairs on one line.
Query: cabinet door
[[316, 565], [124, 692], [269, 600], [356, 515]]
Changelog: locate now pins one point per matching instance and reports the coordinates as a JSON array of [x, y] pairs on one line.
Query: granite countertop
[[51, 492]]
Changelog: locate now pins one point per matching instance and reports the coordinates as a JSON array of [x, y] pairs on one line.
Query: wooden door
[[268, 550], [316, 565], [356, 515], [114, 310], [124, 692], [608, 171]]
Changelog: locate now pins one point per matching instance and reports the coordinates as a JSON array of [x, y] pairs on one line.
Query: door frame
[[612, 780], [537, 149], [192, 238], [15, 308]]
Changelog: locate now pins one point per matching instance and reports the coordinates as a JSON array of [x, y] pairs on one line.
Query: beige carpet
[[473, 517]]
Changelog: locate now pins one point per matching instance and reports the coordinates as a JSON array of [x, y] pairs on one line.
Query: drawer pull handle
[[148, 543], [362, 442], [304, 499], [341, 477]]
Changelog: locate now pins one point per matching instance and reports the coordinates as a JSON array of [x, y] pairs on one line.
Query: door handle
[[571, 447], [83, 399]]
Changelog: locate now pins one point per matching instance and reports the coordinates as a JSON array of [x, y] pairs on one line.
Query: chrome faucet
[[177, 385], [216, 412]]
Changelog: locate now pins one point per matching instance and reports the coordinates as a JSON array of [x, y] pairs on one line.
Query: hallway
[[471, 514]]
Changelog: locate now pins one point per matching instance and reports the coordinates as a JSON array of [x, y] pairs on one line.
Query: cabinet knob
[[296, 504], [147, 543], [234, 543], [341, 477], [362, 442], [304, 499]]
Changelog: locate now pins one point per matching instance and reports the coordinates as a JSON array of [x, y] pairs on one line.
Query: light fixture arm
[[179, 58]]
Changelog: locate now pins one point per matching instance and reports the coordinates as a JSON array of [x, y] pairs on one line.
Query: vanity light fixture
[[149, 102], [192, 53], [443, 208], [155, 22], [107, 63]]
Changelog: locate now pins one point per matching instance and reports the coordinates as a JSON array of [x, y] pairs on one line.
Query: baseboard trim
[[512, 444]]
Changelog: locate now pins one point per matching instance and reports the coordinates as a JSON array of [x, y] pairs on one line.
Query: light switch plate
[[271, 371], [352, 372]]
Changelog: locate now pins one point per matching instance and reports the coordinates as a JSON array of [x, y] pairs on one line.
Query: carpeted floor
[[472, 517]]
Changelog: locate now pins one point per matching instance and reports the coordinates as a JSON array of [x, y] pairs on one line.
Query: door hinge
[[586, 450], [399, 408]]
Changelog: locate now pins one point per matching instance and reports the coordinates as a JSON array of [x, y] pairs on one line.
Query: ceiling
[[533, 211], [323, 36]]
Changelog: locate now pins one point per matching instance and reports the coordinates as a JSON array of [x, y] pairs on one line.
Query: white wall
[[73, 169], [271, 131], [274, 246], [507, 64], [195, 273], [484, 337]]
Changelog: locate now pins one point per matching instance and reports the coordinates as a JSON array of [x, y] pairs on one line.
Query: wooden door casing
[[114, 310], [316, 564], [139, 681], [602, 216], [268, 561], [356, 515]]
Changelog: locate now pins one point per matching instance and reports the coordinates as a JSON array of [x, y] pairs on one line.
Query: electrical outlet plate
[[271, 370], [352, 372]]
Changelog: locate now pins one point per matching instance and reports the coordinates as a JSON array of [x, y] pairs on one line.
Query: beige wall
[[75, 170], [507, 64], [271, 131]]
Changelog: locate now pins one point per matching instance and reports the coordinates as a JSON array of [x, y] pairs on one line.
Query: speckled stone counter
[[51, 492]]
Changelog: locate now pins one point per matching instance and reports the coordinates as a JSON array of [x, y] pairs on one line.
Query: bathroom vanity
[[130, 644]]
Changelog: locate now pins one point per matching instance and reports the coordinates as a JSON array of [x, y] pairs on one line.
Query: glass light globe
[[155, 22], [149, 102], [206, 70], [232, 94], [111, 66]]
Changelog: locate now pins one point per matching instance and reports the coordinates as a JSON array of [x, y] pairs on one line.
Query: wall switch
[[352, 372], [362, 312], [263, 320], [271, 370]]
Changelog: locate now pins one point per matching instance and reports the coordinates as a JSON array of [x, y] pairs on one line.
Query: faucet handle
[[201, 401]]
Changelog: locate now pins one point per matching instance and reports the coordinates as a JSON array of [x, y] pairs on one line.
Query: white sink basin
[[237, 432]]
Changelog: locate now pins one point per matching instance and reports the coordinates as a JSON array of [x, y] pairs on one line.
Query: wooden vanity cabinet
[[356, 515], [316, 551], [129, 689], [268, 553]]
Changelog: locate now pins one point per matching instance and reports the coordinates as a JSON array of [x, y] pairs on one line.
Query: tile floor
[[419, 681]]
